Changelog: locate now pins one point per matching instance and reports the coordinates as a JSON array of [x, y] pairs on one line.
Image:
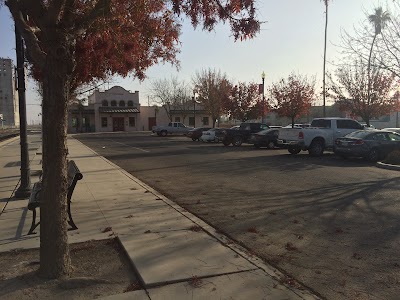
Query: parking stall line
[[140, 149]]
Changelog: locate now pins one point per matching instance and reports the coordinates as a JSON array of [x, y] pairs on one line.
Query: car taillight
[[359, 142], [337, 142], [301, 135]]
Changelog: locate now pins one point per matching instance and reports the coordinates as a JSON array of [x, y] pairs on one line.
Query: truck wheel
[[294, 150], [316, 148], [226, 143], [237, 141], [163, 133], [270, 145]]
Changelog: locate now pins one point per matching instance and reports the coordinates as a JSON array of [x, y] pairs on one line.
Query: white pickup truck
[[171, 128], [320, 136]]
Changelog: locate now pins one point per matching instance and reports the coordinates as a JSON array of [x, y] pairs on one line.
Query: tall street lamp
[[24, 190], [194, 107], [263, 97], [397, 108]]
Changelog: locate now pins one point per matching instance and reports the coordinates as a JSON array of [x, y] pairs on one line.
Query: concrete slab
[[154, 219], [90, 227], [14, 226], [14, 204], [239, 286], [179, 255], [136, 295]]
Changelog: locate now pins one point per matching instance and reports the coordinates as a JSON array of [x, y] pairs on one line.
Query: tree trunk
[[54, 252], [369, 71], [292, 122]]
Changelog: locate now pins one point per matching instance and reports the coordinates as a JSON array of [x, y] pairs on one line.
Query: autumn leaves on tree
[[73, 42], [292, 97]]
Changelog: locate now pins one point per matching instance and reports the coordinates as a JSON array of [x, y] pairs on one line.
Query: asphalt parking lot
[[329, 223]]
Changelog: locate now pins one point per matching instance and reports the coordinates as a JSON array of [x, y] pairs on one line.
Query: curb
[[388, 166], [8, 140]]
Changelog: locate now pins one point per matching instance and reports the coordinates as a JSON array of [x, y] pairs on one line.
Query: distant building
[[9, 107], [117, 109]]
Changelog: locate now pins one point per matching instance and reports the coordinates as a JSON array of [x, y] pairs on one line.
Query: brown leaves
[[195, 281], [134, 286], [107, 229], [252, 230], [290, 247], [195, 228]]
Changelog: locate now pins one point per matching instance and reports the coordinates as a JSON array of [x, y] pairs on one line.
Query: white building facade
[[9, 105], [117, 109]]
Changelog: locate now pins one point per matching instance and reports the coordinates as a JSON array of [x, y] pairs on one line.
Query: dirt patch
[[100, 268]]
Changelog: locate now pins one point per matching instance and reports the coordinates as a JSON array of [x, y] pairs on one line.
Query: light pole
[[263, 97], [194, 108], [397, 110], [24, 190]]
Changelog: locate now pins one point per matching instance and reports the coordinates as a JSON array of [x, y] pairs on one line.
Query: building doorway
[[152, 122], [118, 124]]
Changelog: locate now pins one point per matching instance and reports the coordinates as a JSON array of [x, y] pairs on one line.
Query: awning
[[84, 111], [118, 110]]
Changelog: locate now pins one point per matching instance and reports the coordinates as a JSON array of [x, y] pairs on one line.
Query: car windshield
[[358, 134]]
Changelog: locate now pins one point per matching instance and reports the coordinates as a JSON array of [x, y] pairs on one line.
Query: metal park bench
[[34, 200]]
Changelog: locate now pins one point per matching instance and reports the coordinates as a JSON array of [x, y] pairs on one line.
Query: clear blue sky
[[291, 40]]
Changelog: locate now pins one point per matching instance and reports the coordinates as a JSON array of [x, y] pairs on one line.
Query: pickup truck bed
[[319, 137]]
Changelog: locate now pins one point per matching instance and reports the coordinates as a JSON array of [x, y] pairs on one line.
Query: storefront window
[[104, 122], [132, 122]]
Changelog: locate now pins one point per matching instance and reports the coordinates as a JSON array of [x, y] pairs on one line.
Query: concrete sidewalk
[[163, 240]]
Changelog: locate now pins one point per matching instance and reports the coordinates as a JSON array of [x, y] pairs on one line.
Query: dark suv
[[196, 133], [238, 136]]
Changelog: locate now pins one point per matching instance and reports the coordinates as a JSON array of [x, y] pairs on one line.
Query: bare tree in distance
[[213, 89], [363, 95], [379, 47], [171, 94]]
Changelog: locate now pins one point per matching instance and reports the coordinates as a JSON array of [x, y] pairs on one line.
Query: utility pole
[[24, 190], [263, 98]]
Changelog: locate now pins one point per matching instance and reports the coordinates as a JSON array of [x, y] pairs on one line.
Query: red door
[[152, 122], [118, 124]]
